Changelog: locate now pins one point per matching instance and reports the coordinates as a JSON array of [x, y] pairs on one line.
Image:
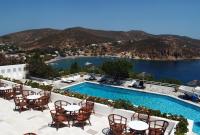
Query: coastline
[[114, 56]]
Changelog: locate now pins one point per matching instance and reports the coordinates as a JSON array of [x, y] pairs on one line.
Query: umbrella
[[194, 83]]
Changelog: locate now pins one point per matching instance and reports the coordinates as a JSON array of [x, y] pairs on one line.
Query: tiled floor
[[15, 123]]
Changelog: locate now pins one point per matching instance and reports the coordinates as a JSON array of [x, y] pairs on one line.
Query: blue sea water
[[185, 70], [158, 102]]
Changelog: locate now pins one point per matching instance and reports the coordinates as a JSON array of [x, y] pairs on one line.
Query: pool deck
[[156, 89]]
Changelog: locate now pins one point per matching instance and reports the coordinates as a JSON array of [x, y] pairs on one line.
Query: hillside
[[131, 43]]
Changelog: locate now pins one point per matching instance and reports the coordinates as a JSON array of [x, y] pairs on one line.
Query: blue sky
[[154, 16]]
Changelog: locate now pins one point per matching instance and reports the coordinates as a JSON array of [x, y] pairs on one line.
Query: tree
[[74, 68], [118, 69], [38, 68]]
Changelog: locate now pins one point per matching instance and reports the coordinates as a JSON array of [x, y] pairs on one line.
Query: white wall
[[13, 71]]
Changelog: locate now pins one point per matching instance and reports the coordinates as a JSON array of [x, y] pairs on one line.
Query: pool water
[[154, 101]]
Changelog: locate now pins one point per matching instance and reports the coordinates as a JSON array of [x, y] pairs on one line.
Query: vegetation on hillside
[[118, 69], [9, 60], [38, 68]]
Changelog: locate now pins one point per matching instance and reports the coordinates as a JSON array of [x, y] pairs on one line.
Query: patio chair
[[30, 134], [45, 93], [82, 117], [87, 106], [117, 124], [59, 119], [17, 90], [26, 93], [141, 116], [9, 94], [41, 103], [132, 83], [59, 104], [158, 127], [20, 103], [139, 85]]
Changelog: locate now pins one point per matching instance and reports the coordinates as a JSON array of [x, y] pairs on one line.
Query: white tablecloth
[[32, 97], [138, 125], [72, 108], [5, 88]]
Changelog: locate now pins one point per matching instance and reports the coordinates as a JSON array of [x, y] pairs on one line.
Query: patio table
[[31, 100], [33, 97], [138, 125], [72, 108], [5, 88]]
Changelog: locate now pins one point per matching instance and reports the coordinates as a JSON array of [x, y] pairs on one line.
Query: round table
[[72, 108], [5, 88], [138, 125], [33, 97]]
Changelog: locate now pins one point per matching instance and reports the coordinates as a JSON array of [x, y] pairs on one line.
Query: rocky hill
[[131, 43]]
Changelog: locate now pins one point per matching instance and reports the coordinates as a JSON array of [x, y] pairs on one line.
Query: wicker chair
[[82, 117], [59, 119], [9, 94], [20, 103], [59, 104], [141, 116], [41, 103], [117, 124], [158, 127], [45, 93], [26, 93], [17, 90], [30, 134], [87, 106]]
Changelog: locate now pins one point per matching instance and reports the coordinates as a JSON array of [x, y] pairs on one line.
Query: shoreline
[[114, 56]]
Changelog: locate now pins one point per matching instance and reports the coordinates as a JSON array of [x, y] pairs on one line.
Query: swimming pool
[[165, 104]]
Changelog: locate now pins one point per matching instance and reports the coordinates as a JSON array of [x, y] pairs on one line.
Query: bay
[[183, 70]]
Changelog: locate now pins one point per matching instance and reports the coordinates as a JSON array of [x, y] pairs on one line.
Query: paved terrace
[[15, 123]]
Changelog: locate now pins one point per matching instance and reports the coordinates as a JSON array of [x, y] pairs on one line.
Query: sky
[[180, 17]]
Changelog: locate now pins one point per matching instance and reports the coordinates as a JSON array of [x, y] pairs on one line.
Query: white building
[[13, 71]]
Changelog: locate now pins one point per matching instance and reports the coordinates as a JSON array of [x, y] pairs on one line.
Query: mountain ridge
[[133, 43]]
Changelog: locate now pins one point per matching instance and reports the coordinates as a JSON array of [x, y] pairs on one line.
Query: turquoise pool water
[[163, 103]]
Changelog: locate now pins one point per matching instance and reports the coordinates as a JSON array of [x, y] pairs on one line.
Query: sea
[[183, 70]]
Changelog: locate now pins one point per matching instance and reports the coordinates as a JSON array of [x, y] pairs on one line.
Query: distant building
[[14, 71]]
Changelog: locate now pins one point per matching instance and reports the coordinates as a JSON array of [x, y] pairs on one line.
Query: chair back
[[141, 116], [42, 100], [58, 117], [115, 118], [87, 106], [30, 134], [17, 90], [45, 93], [158, 127], [26, 93], [117, 123], [19, 100], [84, 115], [59, 104], [9, 94]]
